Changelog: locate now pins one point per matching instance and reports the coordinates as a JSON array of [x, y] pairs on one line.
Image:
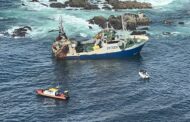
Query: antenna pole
[[122, 22]]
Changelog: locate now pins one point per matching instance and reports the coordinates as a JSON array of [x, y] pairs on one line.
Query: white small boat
[[143, 74]]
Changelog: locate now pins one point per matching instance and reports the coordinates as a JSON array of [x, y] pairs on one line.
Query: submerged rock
[[181, 23]]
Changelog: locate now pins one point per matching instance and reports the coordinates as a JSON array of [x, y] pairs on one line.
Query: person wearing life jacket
[[98, 39], [99, 35]]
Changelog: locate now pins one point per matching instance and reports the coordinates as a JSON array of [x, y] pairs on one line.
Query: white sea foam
[[43, 4], [11, 30], [39, 32], [175, 33], [76, 25], [83, 35], [156, 2], [72, 26], [1, 35], [36, 5]]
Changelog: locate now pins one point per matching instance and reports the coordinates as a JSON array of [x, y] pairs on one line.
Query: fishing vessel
[[107, 44], [53, 93]]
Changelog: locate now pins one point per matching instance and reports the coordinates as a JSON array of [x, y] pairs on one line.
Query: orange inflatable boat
[[53, 93]]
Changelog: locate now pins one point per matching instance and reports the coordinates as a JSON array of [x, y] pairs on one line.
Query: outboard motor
[[66, 93]]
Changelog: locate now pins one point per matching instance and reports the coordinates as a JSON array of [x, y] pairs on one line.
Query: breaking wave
[[1, 35], [1, 18], [155, 2], [76, 25], [72, 27], [160, 3]]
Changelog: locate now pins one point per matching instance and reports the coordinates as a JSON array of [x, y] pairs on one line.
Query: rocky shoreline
[[108, 4], [129, 4], [132, 21]]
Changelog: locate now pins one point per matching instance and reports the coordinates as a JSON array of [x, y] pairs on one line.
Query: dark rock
[[21, 32], [99, 20], [90, 27], [181, 23], [106, 7], [128, 4], [53, 30], [77, 3], [44, 4], [52, 0], [90, 7], [131, 21], [27, 27], [34, 1], [81, 3], [138, 33], [23, 4], [111, 1], [57, 5], [115, 22]]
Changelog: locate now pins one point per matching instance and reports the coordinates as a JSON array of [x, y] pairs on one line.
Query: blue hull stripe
[[121, 54]]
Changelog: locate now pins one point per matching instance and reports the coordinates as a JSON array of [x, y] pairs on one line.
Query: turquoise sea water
[[100, 90]]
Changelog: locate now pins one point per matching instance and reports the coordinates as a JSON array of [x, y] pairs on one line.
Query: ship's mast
[[124, 28], [107, 24], [61, 29]]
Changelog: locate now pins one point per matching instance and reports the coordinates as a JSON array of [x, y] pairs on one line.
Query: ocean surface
[[100, 90]]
